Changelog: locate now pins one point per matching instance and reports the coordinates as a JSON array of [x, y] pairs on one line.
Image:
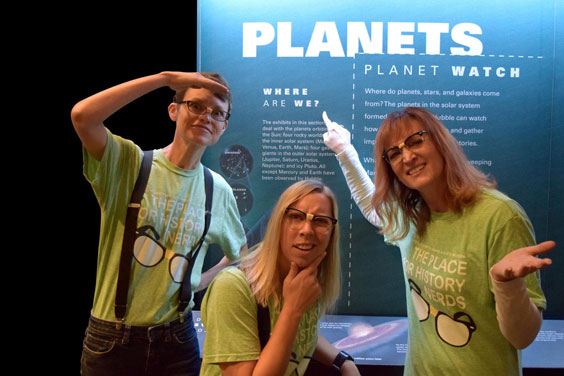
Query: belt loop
[[125, 335], [167, 332]]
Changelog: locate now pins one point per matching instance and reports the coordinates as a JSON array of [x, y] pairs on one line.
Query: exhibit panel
[[491, 74]]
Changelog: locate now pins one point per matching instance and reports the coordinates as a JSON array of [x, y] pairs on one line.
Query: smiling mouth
[[416, 169], [304, 247]]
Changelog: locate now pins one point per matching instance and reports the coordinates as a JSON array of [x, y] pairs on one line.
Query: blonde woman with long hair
[[468, 253], [295, 272]]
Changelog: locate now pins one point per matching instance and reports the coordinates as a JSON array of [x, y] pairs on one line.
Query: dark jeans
[[168, 349]]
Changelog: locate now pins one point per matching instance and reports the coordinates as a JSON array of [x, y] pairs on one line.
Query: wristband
[[340, 359]]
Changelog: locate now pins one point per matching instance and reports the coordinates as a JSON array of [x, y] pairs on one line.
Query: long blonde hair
[[398, 205], [260, 266]]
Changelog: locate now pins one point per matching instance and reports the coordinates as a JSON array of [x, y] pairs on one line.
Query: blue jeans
[[168, 349]]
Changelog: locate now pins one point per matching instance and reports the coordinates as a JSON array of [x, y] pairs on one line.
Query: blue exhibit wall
[[552, 279], [491, 70]]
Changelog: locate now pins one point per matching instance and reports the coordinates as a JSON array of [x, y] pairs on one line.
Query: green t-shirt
[[229, 314], [170, 222], [447, 277]]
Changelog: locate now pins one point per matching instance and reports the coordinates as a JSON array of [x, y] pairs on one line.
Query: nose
[[407, 155], [207, 115], [307, 226]]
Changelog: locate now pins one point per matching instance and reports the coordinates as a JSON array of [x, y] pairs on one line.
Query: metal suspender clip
[[119, 324]]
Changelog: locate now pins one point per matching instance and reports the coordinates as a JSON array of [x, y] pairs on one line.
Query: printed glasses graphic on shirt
[[455, 331], [149, 252]]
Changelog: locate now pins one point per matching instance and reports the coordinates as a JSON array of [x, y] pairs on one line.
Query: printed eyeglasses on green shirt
[[453, 331]]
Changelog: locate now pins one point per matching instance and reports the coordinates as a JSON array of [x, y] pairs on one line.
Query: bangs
[[397, 125]]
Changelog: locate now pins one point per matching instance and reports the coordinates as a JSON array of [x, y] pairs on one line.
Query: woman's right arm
[[338, 139], [518, 317], [89, 114]]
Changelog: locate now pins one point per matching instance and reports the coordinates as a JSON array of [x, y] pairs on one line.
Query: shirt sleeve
[[360, 185], [229, 315], [232, 234], [115, 172], [517, 232], [518, 317]]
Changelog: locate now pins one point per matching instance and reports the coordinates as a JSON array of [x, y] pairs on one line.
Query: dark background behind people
[[99, 53]]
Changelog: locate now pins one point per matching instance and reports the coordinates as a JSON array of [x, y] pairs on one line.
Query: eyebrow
[[316, 214]]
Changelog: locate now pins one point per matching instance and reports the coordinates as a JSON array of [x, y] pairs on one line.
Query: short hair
[[260, 266], [225, 97], [398, 205]]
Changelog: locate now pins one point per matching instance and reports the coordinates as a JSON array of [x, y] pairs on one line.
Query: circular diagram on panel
[[244, 198], [236, 162]]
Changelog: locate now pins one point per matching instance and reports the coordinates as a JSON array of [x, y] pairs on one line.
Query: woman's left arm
[[325, 353], [518, 317]]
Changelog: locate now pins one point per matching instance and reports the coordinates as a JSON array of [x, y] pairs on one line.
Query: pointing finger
[[328, 123]]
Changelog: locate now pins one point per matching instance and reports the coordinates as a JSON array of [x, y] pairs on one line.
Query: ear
[[173, 111], [224, 126]]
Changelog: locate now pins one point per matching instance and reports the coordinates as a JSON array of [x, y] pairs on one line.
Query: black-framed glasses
[[392, 155], [296, 218], [199, 109], [149, 252], [455, 331]]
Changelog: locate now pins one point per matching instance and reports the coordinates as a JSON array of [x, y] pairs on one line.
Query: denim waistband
[[150, 333]]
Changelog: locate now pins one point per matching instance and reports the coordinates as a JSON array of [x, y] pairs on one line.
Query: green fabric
[[450, 265], [173, 207], [229, 314]]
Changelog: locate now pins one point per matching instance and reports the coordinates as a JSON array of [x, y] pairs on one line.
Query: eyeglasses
[[199, 109], [149, 252], [392, 155], [296, 218], [453, 331]]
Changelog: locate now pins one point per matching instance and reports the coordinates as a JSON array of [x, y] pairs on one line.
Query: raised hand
[[179, 81], [337, 138], [521, 262]]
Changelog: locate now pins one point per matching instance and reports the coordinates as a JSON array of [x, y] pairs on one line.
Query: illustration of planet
[[363, 336]]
